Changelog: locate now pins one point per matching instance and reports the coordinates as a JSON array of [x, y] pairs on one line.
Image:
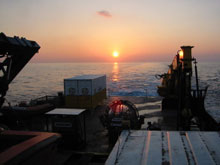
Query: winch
[[121, 115]]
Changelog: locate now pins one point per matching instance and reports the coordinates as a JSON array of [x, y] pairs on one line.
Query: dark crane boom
[[15, 53]]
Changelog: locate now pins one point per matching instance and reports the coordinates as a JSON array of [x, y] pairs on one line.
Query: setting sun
[[115, 54]]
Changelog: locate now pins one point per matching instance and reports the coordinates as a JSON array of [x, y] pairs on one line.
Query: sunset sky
[[91, 30]]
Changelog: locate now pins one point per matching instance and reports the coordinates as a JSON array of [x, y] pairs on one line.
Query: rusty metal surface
[[166, 147], [24, 150]]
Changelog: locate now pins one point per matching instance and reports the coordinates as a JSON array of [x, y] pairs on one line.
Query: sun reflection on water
[[115, 72]]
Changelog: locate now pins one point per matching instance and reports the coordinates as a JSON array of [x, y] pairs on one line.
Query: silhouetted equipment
[[181, 67], [178, 93], [15, 53], [21, 147], [29, 117], [120, 115], [70, 123]]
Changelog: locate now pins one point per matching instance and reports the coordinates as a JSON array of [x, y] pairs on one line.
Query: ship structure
[[178, 94], [181, 131], [83, 126], [17, 145]]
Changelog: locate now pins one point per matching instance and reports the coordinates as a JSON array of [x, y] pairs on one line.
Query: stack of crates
[[85, 91]]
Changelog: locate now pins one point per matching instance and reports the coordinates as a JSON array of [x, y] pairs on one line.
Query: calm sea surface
[[123, 79]]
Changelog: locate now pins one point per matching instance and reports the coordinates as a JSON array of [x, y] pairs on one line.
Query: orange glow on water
[[115, 72]]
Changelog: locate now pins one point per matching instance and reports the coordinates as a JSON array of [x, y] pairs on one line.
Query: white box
[[84, 85]]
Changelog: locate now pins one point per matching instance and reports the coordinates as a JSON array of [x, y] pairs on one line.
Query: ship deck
[[166, 147], [97, 148]]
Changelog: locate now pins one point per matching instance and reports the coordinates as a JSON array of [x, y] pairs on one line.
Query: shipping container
[[84, 85], [85, 91]]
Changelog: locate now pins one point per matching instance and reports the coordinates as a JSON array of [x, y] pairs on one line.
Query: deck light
[[180, 52]]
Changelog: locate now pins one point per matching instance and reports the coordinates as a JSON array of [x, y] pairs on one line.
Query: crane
[[15, 53]]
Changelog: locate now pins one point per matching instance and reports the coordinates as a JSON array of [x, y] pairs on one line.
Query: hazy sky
[[90, 30]]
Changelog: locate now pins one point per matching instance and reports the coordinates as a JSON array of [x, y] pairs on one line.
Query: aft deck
[[166, 147]]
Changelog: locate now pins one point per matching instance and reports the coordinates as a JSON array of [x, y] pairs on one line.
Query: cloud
[[104, 13]]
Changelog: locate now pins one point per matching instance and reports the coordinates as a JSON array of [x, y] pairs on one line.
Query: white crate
[[84, 85]]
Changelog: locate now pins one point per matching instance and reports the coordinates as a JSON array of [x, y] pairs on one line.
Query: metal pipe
[[197, 79], [179, 86]]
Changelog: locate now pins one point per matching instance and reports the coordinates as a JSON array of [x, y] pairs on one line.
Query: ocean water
[[123, 79]]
